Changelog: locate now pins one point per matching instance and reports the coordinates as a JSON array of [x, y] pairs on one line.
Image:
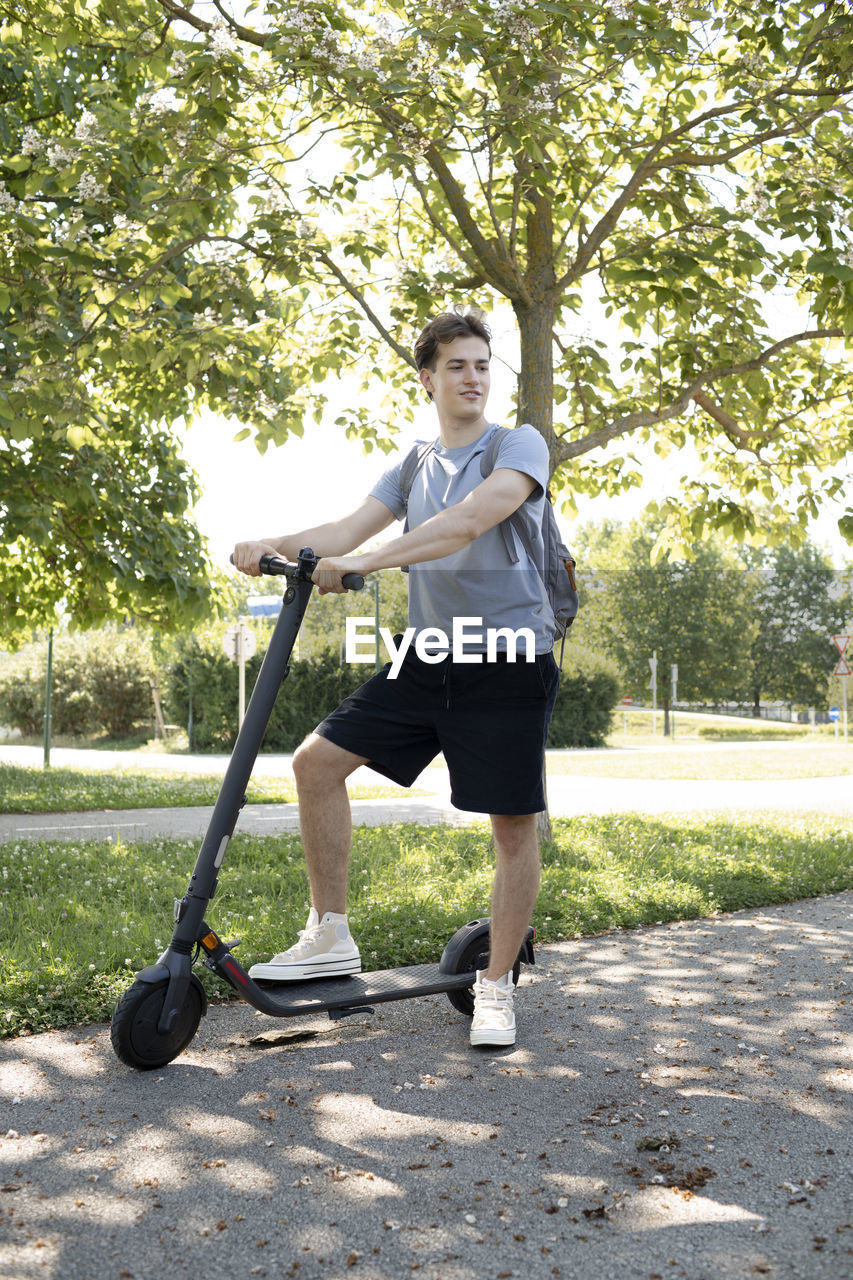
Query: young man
[[488, 713]]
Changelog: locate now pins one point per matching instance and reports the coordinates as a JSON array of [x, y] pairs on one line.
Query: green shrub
[[199, 668], [101, 682], [589, 691], [22, 691], [584, 710]]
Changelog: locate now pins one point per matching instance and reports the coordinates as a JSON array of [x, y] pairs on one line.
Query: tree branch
[[680, 403], [500, 274], [176, 10], [359, 297], [738, 436]]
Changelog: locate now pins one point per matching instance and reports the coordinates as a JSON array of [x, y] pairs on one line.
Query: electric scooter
[[157, 1017]]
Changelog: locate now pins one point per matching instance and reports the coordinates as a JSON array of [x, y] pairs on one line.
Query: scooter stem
[[190, 910]]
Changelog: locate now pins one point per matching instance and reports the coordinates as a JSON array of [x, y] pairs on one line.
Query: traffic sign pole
[[653, 685], [239, 643], [844, 705]]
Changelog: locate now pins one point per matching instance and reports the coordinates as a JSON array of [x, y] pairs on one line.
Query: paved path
[[567, 796], [680, 1104]]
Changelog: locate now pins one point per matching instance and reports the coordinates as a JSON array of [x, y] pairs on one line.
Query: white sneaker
[[325, 950], [494, 1020]]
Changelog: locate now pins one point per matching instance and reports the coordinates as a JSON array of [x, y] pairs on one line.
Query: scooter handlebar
[[275, 565]]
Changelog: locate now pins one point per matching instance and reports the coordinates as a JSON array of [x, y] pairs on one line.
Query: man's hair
[[444, 328]]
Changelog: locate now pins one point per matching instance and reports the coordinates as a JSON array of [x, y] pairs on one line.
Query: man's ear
[[425, 376]]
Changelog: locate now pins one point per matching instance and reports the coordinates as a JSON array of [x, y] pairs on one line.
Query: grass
[[821, 760], [27, 790], [77, 919]]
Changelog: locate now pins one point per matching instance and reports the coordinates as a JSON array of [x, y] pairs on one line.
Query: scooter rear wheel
[[475, 956], [134, 1033]]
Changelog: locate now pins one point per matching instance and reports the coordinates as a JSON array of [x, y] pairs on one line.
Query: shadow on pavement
[[679, 1105]]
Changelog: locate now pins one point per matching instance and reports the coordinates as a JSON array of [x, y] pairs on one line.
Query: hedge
[[101, 683], [315, 686]]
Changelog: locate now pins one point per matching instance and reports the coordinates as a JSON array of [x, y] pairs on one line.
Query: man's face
[[460, 381]]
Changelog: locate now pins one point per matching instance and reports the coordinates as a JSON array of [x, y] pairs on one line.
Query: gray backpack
[[557, 572]]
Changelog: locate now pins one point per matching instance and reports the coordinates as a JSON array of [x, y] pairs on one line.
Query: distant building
[[264, 606]]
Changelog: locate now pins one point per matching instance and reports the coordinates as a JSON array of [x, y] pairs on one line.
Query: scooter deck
[[320, 995]]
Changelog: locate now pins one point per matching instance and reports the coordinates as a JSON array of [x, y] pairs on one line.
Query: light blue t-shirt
[[483, 580]]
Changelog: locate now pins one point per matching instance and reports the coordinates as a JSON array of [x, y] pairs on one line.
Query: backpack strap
[[412, 463]]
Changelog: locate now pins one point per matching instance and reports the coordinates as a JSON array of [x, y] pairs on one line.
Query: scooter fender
[[471, 933], [154, 973]]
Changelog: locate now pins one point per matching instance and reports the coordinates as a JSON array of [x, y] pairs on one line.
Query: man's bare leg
[[515, 888], [321, 769]]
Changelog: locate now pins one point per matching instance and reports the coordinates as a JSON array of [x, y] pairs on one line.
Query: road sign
[[627, 700], [834, 713], [842, 668], [231, 642], [841, 643]]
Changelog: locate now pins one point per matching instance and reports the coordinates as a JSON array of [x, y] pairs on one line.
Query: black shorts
[[490, 720]]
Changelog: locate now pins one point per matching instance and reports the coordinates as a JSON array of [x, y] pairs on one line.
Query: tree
[[686, 167], [695, 614], [107, 340], [688, 163], [100, 529], [799, 602]]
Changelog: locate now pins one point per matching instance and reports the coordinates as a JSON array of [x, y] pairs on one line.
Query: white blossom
[[162, 101], [179, 63], [86, 126], [541, 99], [296, 20], [202, 319], [123, 223], [327, 47], [275, 201], [31, 142], [755, 202], [7, 200], [89, 188], [58, 155], [221, 40]]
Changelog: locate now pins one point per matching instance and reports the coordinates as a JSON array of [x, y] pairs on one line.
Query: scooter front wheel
[[134, 1033]]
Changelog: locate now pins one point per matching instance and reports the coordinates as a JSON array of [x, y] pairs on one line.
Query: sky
[[322, 475]]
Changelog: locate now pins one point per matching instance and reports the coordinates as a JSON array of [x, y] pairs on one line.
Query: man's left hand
[[331, 569]]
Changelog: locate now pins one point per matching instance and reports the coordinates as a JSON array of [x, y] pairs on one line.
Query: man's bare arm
[[452, 529], [335, 538]]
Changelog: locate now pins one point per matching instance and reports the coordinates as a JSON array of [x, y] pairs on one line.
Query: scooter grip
[[272, 564], [353, 581]]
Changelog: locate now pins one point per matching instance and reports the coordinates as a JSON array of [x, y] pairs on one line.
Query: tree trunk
[[536, 380], [536, 318], [536, 315]]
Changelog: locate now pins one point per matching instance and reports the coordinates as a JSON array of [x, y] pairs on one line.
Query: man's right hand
[[246, 556]]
